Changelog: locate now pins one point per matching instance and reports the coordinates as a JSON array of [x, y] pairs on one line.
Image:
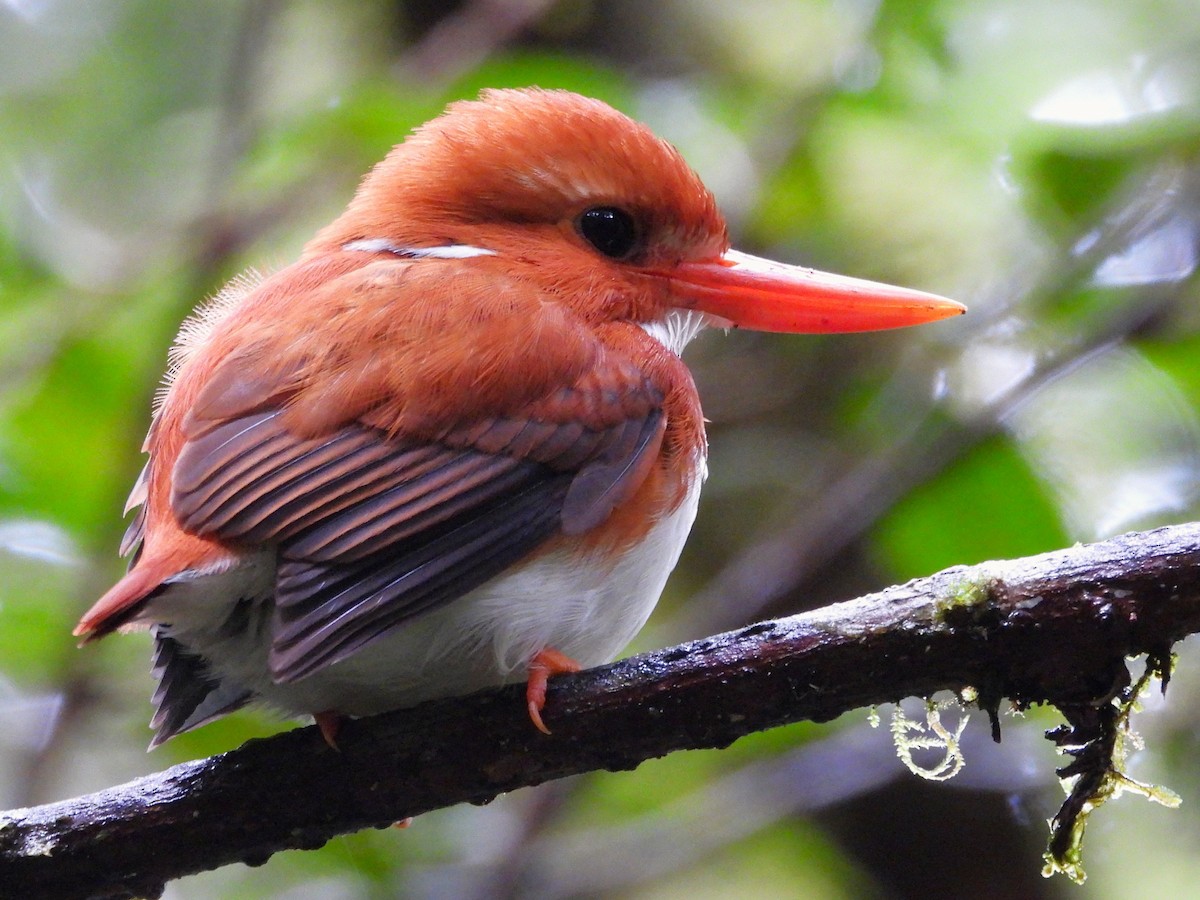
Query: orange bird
[[453, 445]]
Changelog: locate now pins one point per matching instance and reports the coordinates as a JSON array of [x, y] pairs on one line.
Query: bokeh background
[[1036, 159]]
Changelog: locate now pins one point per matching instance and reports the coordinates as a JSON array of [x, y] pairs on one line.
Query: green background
[[1036, 160]]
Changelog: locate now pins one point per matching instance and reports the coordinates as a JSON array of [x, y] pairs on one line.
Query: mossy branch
[[1055, 628]]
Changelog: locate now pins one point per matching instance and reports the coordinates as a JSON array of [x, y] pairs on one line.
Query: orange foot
[[548, 662], [329, 723]]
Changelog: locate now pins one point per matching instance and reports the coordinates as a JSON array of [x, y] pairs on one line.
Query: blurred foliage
[[1035, 160]]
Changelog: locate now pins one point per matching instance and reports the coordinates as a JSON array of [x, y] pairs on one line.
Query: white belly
[[587, 608]]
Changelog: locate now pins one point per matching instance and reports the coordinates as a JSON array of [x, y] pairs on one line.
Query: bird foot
[[329, 723], [547, 662]]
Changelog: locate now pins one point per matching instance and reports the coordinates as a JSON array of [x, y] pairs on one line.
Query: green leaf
[[987, 505]]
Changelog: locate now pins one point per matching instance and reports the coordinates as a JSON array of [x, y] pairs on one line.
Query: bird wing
[[384, 500]]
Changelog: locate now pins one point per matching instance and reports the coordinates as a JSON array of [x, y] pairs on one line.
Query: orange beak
[[750, 292]]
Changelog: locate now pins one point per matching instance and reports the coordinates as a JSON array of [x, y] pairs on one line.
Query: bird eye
[[610, 230]]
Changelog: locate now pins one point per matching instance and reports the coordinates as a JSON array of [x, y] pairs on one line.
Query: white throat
[[677, 329]]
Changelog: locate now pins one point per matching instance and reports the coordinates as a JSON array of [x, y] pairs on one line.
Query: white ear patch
[[449, 251]]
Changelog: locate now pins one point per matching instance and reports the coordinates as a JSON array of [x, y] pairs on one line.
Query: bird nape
[[453, 444]]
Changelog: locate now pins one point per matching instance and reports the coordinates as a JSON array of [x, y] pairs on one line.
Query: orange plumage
[[454, 442]]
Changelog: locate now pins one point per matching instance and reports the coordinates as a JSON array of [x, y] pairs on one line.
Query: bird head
[[602, 214]]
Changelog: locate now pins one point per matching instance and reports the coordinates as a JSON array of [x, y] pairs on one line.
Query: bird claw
[[547, 662]]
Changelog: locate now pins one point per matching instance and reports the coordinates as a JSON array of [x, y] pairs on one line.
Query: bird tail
[[122, 602]]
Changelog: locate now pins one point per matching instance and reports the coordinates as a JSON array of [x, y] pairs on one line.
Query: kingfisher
[[453, 445]]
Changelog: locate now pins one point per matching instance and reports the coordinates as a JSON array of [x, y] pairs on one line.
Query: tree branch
[[1055, 628]]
